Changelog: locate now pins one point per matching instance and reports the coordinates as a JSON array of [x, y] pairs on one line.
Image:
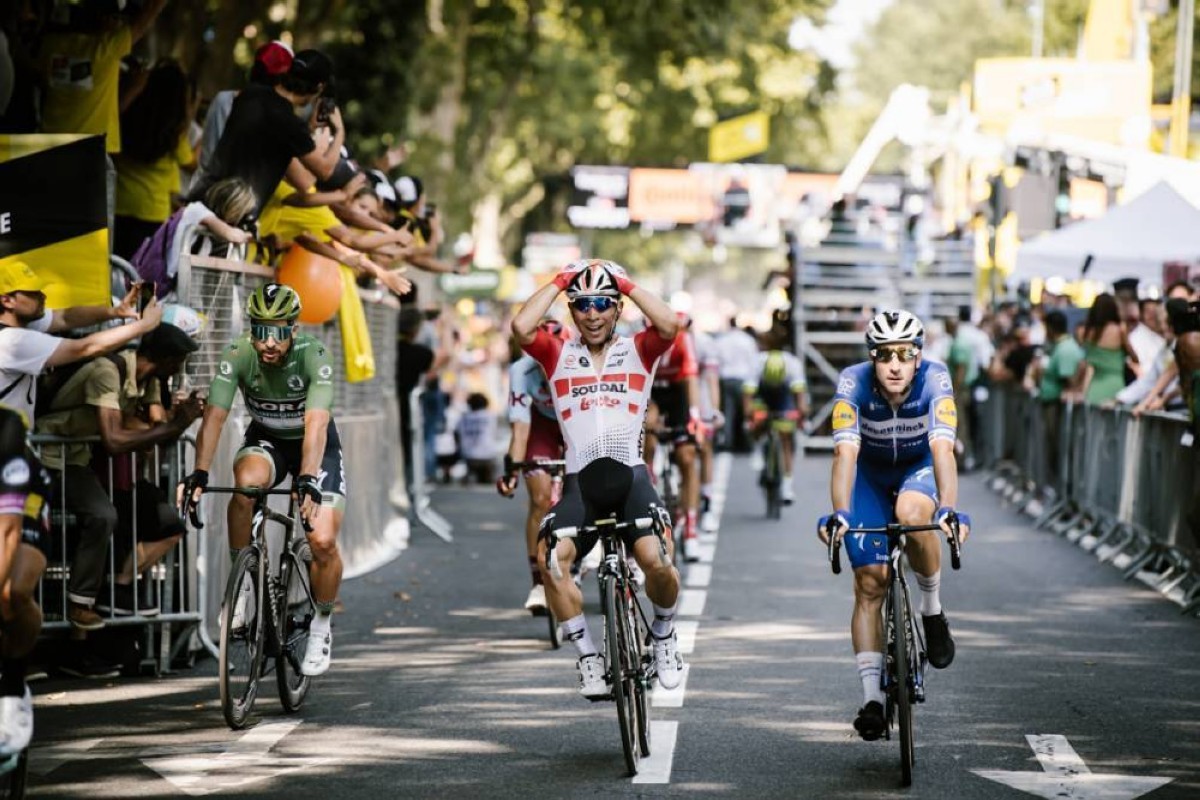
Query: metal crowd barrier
[[1122, 487], [175, 582]]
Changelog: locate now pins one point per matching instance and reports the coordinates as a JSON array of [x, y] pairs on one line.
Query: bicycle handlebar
[[549, 465], [896, 530], [256, 493]]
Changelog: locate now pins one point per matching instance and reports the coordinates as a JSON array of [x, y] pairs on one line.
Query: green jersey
[[276, 396]]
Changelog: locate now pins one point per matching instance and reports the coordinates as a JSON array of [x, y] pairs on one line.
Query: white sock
[[706, 490], [931, 601], [575, 630], [320, 624], [664, 621], [870, 667]]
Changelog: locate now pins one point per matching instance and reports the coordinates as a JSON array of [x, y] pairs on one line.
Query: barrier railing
[[127, 482], [1119, 485]]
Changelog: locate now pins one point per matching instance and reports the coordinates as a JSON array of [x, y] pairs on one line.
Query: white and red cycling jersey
[[600, 407], [679, 362]]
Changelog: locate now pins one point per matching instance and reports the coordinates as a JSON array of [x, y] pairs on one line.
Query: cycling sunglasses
[[598, 302], [260, 332], [884, 355]]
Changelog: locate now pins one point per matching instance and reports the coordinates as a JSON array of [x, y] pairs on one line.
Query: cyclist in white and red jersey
[[601, 386], [675, 405]]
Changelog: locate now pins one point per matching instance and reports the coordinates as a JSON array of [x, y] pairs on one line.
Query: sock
[[931, 602], [534, 572], [787, 478], [870, 667], [689, 530], [664, 621], [321, 623], [12, 677], [575, 630]]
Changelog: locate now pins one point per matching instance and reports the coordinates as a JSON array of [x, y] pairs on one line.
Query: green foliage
[[1162, 54]]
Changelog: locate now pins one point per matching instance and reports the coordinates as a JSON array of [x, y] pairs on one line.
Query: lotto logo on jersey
[[603, 401], [946, 413], [844, 416]]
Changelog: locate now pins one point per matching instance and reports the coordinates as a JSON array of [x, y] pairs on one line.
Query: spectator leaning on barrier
[[28, 346], [267, 128], [1054, 374], [1106, 348], [110, 397]]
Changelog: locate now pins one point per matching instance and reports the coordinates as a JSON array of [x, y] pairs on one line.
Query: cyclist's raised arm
[[660, 315], [525, 322]]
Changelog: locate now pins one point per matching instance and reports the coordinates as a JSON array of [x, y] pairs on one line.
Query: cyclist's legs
[[538, 485], [18, 604], [326, 568], [252, 467], [915, 504], [870, 506], [689, 474], [562, 595], [662, 579], [650, 441], [866, 626]]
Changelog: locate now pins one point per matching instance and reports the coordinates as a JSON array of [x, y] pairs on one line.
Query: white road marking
[[698, 576], [656, 768], [691, 602], [45, 759], [686, 628], [1065, 775], [670, 698], [706, 551], [244, 761]]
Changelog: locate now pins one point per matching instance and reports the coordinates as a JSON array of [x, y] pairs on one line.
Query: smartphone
[[145, 295]]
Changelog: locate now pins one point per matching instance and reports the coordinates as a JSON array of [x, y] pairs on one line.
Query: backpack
[[52, 381], [151, 259]]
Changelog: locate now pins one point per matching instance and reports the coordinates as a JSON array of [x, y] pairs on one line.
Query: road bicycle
[[772, 476], [669, 480], [630, 660], [556, 469], [903, 676], [266, 614], [14, 773]]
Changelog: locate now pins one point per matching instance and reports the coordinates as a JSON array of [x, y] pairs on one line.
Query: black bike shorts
[[604, 487], [673, 409], [285, 456], [24, 487]]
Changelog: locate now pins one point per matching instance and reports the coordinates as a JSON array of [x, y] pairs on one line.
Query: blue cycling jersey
[[894, 436], [528, 389]]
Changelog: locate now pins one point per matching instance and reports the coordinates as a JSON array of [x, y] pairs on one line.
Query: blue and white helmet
[[895, 327]]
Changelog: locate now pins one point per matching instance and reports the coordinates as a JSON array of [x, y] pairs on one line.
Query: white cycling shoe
[[536, 602], [593, 677], [16, 723], [709, 522], [318, 654], [245, 598], [667, 660], [787, 491]]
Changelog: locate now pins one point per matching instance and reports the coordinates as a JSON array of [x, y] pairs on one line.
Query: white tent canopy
[[1131, 240]]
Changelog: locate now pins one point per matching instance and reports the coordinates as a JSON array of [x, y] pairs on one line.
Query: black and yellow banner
[[53, 214]]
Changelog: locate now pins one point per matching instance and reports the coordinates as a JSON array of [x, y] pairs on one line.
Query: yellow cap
[[17, 276]]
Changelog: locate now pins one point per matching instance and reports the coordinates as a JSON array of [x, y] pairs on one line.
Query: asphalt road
[[443, 687]]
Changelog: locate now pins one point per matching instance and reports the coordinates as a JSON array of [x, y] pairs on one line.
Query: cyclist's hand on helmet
[[308, 488], [620, 277], [567, 274], [835, 524], [187, 496], [943, 517]]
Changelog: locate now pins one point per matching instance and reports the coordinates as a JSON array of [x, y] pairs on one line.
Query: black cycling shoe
[[939, 645], [870, 723]]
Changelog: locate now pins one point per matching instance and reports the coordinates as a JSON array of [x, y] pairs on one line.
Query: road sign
[[740, 137]]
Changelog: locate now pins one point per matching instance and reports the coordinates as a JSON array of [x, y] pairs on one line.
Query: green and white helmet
[[273, 301]]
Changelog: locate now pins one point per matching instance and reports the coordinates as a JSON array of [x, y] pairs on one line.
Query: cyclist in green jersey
[[286, 381]]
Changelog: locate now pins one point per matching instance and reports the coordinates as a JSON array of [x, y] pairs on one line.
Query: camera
[[1183, 315]]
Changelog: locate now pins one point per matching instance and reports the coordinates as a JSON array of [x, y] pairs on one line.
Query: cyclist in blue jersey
[[894, 422]]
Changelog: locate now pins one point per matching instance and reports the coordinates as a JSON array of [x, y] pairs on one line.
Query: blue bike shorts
[[873, 504]]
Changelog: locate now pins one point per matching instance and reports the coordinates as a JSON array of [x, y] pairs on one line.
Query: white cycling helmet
[[894, 327], [594, 280]]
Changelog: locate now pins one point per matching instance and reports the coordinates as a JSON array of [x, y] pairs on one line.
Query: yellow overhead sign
[[740, 137]]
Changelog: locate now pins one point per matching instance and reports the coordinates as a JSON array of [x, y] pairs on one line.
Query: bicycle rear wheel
[[900, 630], [620, 671], [295, 615], [242, 628], [773, 477]]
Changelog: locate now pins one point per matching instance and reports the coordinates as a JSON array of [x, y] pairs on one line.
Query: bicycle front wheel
[[901, 622], [243, 623], [620, 672], [641, 655], [296, 611]]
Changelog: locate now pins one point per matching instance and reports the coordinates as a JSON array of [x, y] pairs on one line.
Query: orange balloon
[[318, 281]]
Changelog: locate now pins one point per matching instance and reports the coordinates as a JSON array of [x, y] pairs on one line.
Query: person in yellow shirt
[[155, 147]]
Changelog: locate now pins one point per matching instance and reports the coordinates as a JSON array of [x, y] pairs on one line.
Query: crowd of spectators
[[1121, 351], [251, 173]]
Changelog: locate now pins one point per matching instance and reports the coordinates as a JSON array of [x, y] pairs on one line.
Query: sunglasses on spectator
[[261, 332], [600, 303], [884, 355]]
